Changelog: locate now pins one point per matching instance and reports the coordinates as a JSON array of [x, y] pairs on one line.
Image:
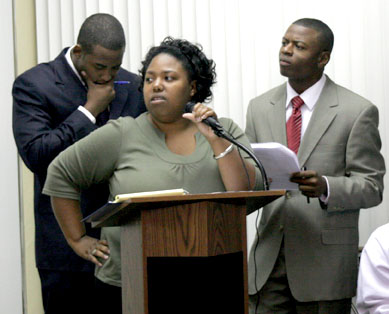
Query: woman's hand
[[69, 216], [91, 249], [199, 113], [232, 168]]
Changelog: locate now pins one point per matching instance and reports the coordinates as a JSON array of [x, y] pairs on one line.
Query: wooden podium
[[184, 254]]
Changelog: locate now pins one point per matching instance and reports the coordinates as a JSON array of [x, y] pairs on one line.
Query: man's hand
[[99, 95], [310, 183]]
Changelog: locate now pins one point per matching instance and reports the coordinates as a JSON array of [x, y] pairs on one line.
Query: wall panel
[[243, 37]]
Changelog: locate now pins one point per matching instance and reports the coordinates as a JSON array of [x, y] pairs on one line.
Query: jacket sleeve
[[250, 125], [362, 184], [41, 129]]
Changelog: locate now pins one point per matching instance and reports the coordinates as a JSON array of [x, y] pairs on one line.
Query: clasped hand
[[310, 183], [199, 113], [99, 95]]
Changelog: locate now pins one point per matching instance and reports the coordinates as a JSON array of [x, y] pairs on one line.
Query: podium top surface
[[109, 214]]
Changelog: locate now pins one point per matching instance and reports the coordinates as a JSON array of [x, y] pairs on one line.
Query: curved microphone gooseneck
[[220, 132]]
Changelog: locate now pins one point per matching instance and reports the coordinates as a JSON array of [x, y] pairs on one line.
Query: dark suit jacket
[[341, 142], [45, 122]]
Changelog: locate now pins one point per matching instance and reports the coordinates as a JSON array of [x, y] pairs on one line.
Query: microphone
[[219, 131], [210, 121]]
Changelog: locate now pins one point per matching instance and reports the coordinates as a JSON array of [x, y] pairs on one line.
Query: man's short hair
[[101, 29], [326, 36]]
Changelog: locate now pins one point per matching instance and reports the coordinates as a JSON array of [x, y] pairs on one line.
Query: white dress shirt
[[373, 276], [310, 97], [81, 108]]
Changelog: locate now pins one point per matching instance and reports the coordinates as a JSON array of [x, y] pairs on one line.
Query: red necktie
[[293, 126]]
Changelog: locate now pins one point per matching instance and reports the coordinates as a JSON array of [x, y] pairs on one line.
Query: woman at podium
[[163, 148]]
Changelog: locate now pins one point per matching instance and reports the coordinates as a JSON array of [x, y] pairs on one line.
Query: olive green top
[[132, 155]]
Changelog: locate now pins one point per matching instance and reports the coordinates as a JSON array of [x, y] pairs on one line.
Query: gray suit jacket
[[341, 142]]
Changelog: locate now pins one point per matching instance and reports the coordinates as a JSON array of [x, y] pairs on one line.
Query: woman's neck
[[179, 135], [168, 128]]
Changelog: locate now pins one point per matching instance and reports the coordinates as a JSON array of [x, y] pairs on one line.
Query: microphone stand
[[220, 132]]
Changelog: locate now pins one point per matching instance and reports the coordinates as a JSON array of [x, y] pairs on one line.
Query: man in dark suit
[[304, 257], [56, 104]]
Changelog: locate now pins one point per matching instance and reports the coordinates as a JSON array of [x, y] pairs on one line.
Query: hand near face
[[199, 113], [99, 95], [310, 183]]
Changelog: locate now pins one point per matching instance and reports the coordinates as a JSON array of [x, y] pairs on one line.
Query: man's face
[[301, 54], [101, 65]]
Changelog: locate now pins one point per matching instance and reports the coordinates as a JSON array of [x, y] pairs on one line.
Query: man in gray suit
[[304, 257]]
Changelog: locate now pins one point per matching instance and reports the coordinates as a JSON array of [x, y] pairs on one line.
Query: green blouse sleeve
[[90, 160], [241, 137]]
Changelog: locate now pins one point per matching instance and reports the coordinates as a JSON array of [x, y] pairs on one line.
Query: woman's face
[[167, 88]]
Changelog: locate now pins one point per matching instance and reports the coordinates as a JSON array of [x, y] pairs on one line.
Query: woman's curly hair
[[198, 66]]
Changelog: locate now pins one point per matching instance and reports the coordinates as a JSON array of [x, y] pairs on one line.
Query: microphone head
[[189, 106]]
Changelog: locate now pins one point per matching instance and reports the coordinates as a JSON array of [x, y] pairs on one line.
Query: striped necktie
[[293, 126]]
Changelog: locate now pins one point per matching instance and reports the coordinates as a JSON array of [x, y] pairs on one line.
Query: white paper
[[123, 197], [279, 163]]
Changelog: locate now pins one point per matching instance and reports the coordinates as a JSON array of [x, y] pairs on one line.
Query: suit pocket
[[340, 236]]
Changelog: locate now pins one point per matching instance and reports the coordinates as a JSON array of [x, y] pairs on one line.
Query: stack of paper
[[279, 163]]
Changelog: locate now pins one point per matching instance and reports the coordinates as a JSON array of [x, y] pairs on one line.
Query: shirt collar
[[309, 96], [71, 64]]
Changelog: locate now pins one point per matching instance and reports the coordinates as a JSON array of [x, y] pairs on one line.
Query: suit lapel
[[67, 80], [322, 117], [118, 104], [276, 115]]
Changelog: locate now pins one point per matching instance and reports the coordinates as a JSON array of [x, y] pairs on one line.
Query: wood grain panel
[[134, 279], [176, 231]]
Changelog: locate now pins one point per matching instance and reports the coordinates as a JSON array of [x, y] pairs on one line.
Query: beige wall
[[25, 58], [11, 298]]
